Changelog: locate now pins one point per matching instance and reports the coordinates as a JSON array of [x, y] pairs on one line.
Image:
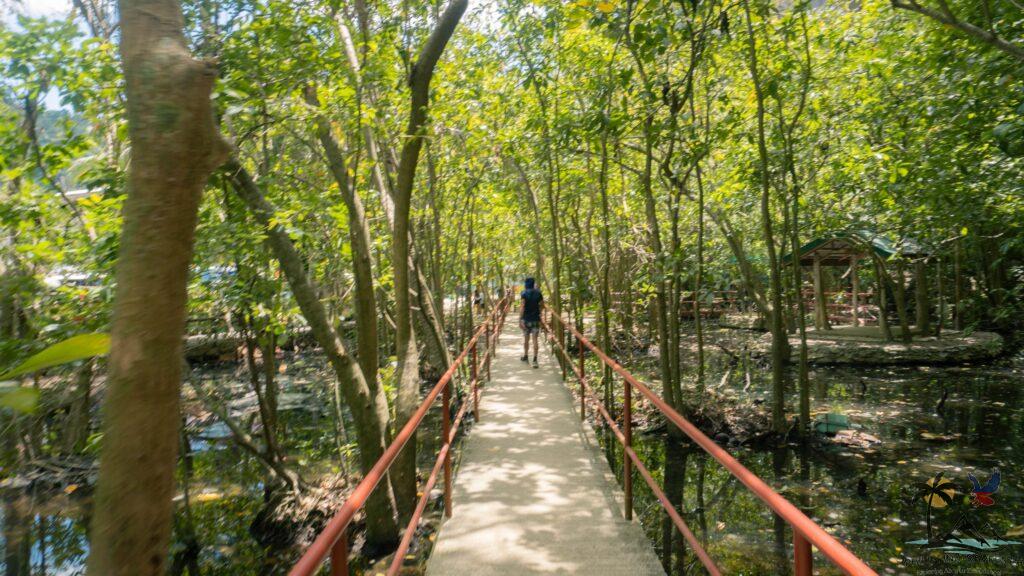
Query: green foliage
[[80, 347], [18, 398], [541, 110], [75, 348]]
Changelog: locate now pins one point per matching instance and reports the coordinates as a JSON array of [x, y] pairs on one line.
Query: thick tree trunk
[[175, 147], [407, 372], [362, 247], [367, 402]]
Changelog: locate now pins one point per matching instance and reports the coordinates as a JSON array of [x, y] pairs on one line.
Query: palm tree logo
[[969, 534], [936, 492]]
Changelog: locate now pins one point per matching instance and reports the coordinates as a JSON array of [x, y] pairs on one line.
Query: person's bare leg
[[536, 339], [526, 346]]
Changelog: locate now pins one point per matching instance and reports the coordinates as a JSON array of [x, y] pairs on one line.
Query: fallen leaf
[[938, 437]]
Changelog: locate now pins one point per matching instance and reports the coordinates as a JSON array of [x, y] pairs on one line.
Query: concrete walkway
[[534, 494]]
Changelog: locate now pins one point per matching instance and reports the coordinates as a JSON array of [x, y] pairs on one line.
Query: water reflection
[[954, 419], [42, 537], [221, 488], [862, 494]]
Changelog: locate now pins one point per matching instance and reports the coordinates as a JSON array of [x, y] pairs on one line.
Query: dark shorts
[[530, 326]]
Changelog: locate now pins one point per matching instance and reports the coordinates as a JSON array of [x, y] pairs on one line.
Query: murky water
[[866, 495], [45, 530], [863, 495]]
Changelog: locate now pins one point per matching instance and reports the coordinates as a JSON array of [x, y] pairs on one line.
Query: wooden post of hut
[[820, 309], [921, 300], [855, 300]]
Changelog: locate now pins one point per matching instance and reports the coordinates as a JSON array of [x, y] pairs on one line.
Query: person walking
[[529, 318], [478, 301]]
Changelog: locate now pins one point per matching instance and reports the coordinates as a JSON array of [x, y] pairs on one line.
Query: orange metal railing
[[333, 540], [806, 532]]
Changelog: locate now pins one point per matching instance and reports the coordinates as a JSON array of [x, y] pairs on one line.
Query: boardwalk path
[[534, 494]]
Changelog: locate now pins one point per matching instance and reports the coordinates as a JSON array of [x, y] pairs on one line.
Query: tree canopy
[[388, 159]]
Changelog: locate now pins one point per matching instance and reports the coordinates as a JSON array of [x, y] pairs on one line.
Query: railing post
[[446, 426], [803, 563], [583, 377], [560, 336], [490, 351], [339, 555], [476, 394], [475, 367], [627, 433]]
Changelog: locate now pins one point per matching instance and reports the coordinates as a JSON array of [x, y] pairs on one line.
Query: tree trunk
[[367, 402], [531, 200], [940, 287], [175, 147], [78, 419], [8, 332], [698, 281], [803, 378], [362, 247], [407, 371], [429, 312], [780, 345], [470, 283], [958, 290], [606, 336]]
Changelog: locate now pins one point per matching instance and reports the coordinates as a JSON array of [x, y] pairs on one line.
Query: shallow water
[[45, 530], [864, 496]]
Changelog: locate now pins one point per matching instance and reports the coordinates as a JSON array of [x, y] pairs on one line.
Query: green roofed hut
[[847, 250]]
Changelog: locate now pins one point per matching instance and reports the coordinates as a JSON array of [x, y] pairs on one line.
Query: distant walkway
[[534, 494]]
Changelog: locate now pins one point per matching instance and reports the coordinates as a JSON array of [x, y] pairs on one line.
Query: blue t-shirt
[[532, 299]]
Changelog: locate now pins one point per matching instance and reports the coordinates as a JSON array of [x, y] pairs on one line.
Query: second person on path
[[529, 318]]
